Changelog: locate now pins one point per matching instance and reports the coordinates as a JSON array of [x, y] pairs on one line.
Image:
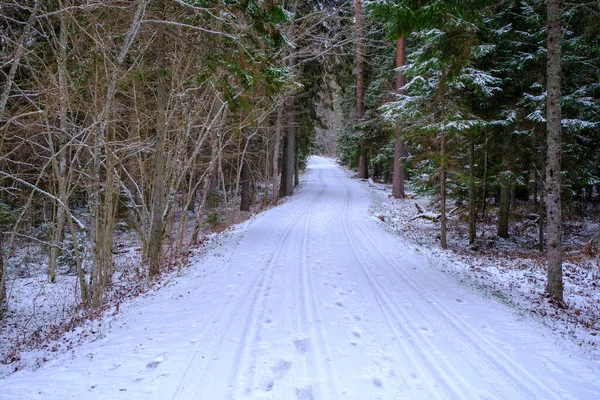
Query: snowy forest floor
[[385, 308], [46, 318], [512, 269]]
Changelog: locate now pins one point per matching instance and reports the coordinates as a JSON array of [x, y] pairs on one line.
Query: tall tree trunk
[[443, 164], [504, 209], [398, 183], [244, 177], [61, 168], [485, 179], [472, 213], [363, 169], [98, 227], [278, 129], [290, 148], [284, 169], [296, 165], [554, 286], [245, 186], [159, 181], [3, 301], [541, 213]]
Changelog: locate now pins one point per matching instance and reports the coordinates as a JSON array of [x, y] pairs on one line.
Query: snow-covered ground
[[512, 270], [315, 299]]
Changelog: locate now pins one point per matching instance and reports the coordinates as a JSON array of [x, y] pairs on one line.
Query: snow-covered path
[[315, 300]]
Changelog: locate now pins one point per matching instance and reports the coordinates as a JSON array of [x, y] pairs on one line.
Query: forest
[[168, 119]]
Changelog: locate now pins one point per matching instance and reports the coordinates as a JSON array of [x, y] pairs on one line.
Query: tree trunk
[[245, 186], [290, 148], [472, 213], [398, 183], [554, 286], [98, 234], [363, 163], [296, 165], [284, 169], [504, 209], [485, 180], [244, 178], [363, 169], [541, 214], [3, 301], [62, 152], [278, 129], [443, 165], [159, 191]]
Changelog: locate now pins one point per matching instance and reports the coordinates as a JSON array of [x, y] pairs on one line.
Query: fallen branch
[[428, 216]]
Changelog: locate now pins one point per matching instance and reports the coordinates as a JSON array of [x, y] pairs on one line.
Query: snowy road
[[315, 300]]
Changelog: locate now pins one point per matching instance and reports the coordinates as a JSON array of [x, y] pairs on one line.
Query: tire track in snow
[[245, 360], [417, 356], [491, 363], [309, 312], [198, 365]]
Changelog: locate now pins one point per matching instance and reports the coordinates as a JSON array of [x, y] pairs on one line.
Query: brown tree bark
[[245, 186], [472, 213], [363, 169], [158, 189], [278, 130], [504, 209], [290, 148], [296, 165], [284, 169], [541, 214], [485, 178], [554, 286], [60, 167], [398, 182], [3, 302], [443, 166]]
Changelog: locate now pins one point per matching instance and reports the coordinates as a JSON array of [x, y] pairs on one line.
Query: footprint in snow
[[305, 393], [354, 341], [281, 368], [377, 383], [268, 386], [301, 345], [156, 362], [459, 300]]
